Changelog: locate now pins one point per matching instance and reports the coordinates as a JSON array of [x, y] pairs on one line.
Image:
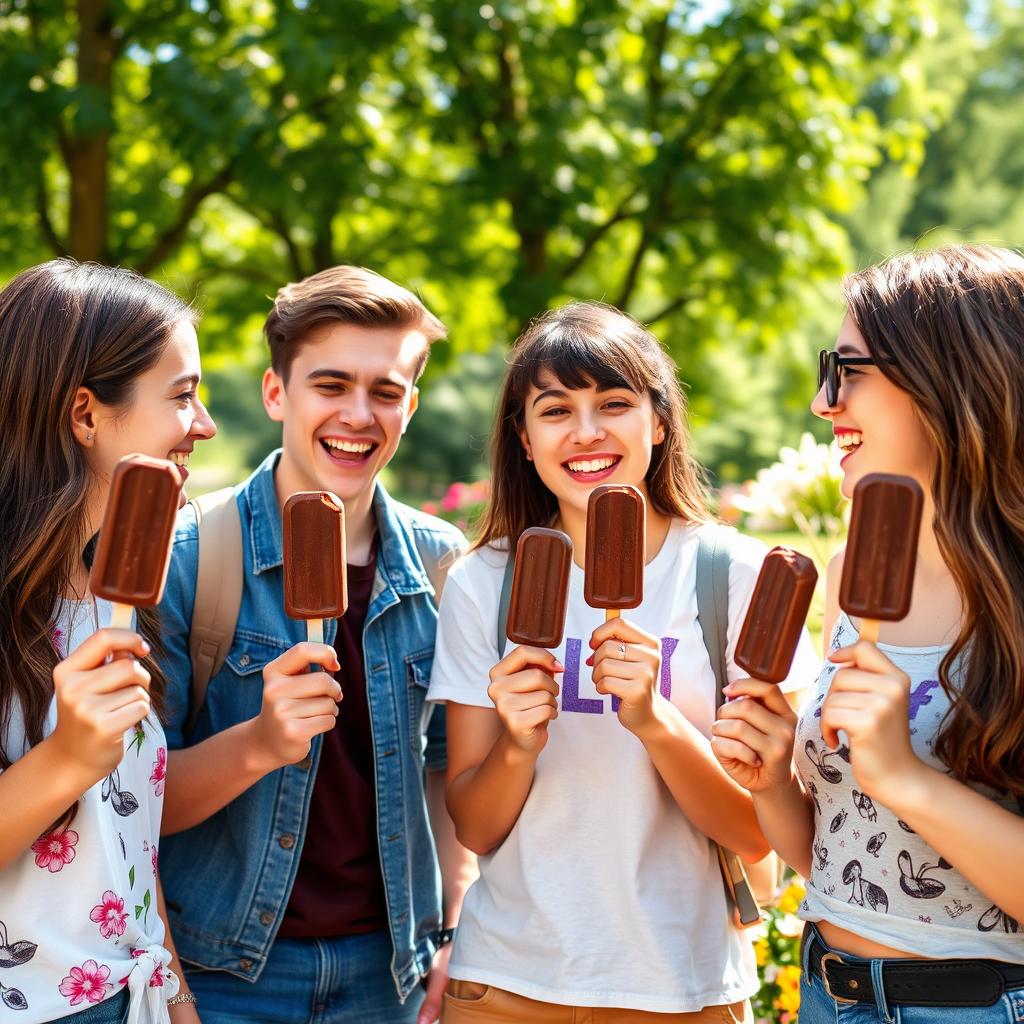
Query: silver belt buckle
[[835, 958]]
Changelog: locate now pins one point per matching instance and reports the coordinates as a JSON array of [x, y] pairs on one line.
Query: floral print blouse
[[78, 913]]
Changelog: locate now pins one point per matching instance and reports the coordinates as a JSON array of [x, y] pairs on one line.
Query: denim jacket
[[227, 881]]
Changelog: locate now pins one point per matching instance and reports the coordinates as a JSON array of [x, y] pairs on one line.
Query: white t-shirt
[[78, 909], [603, 894]]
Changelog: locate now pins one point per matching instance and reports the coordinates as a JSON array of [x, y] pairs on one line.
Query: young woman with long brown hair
[[905, 807], [97, 363], [590, 799]]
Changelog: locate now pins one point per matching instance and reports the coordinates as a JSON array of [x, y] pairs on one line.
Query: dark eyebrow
[[851, 350], [188, 378], [349, 378], [550, 393]]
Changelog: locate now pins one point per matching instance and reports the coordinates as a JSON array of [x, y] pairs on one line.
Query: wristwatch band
[[445, 936]]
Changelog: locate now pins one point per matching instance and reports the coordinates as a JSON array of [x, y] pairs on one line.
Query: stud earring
[[88, 437]]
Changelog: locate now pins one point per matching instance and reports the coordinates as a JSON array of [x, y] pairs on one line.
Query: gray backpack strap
[[713, 618], [503, 603], [713, 601], [219, 580]]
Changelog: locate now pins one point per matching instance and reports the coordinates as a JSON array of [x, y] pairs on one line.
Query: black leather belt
[[915, 982]]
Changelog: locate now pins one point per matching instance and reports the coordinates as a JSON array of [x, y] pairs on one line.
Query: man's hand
[[297, 704], [437, 982]]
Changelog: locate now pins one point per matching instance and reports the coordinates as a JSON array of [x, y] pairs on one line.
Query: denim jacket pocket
[[418, 667], [236, 693]]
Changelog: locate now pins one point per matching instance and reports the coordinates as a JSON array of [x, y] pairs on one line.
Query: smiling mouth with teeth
[[591, 465], [179, 459], [337, 447], [849, 440]]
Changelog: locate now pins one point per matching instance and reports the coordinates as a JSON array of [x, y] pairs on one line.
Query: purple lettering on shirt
[[668, 646], [571, 699], [921, 695]]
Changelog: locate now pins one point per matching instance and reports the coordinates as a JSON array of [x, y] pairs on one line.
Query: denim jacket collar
[[398, 561]]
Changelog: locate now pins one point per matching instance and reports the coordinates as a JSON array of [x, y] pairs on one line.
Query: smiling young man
[[303, 877]]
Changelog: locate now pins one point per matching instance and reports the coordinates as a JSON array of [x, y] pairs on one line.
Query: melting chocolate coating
[[315, 580], [776, 616], [134, 546], [616, 547], [881, 552], [540, 588]]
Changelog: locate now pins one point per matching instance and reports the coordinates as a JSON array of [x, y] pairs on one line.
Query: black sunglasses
[[830, 371]]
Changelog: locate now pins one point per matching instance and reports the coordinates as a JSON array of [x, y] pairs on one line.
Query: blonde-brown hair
[[348, 295], [950, 324]]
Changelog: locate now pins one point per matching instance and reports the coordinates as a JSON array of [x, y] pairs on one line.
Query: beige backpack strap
[[219, 579], [436, 567]]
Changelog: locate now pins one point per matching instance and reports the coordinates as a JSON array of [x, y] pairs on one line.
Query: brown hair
[[951, 322], [63, 326], [584, 344], [348, 295]]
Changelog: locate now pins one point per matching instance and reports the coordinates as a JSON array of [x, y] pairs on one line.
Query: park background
[[712, 167]]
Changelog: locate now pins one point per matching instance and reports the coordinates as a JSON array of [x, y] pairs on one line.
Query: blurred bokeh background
[[713, 167]]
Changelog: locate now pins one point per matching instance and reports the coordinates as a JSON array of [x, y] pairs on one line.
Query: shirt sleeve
[[466, 647], [747, 555], [176, 623]]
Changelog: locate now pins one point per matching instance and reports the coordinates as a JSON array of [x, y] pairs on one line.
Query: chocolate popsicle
[[540, 588], [776, 616], [616, 548], [881, 551], [315, 581], [134, 546]]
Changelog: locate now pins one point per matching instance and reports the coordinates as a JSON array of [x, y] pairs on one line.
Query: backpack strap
[[713, 601], [219, 580], [436, 566], [503, 602], [713, 618]]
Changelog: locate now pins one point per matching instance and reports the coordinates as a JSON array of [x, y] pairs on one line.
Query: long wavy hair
[[584, 344], [63, 326], [951, 324]]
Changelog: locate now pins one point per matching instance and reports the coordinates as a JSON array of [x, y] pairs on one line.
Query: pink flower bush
[[159, 772], [110, 915], [55, 850], [87, 982]]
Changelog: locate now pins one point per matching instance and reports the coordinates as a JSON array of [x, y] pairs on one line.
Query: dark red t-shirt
[[339, 889]]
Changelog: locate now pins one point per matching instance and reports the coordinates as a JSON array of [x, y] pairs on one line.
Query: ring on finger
[[622, 650]]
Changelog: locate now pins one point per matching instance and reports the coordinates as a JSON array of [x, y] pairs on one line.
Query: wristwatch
[[445, 936]]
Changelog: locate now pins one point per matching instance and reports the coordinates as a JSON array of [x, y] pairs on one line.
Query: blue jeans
[[110, 1011], [320, 981], [818, 1007]]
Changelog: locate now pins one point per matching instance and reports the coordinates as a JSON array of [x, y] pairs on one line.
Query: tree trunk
[[86, 150]]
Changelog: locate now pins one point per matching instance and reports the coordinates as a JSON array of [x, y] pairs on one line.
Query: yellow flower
[[789, 901], [762, 951]]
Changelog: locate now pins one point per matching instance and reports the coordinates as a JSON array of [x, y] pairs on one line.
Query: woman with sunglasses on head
[[98, 363], [905, 806], [583, 777]]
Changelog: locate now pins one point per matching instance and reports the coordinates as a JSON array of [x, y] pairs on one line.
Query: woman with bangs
[[584, 777], [899, 791]]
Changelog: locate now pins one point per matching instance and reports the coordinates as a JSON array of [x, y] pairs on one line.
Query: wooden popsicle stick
[[121, 619], [611, 613], [315, 631], [746, 912], [869, 630]]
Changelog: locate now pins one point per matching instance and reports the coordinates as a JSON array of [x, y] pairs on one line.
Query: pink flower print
[[57, 639], [159, 772], [157, 979], [110, 915], [54, 850], [154, 860], [87, 982]]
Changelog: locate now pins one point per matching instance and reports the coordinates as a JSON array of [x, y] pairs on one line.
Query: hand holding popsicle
[[626, 663], [98, 699]]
